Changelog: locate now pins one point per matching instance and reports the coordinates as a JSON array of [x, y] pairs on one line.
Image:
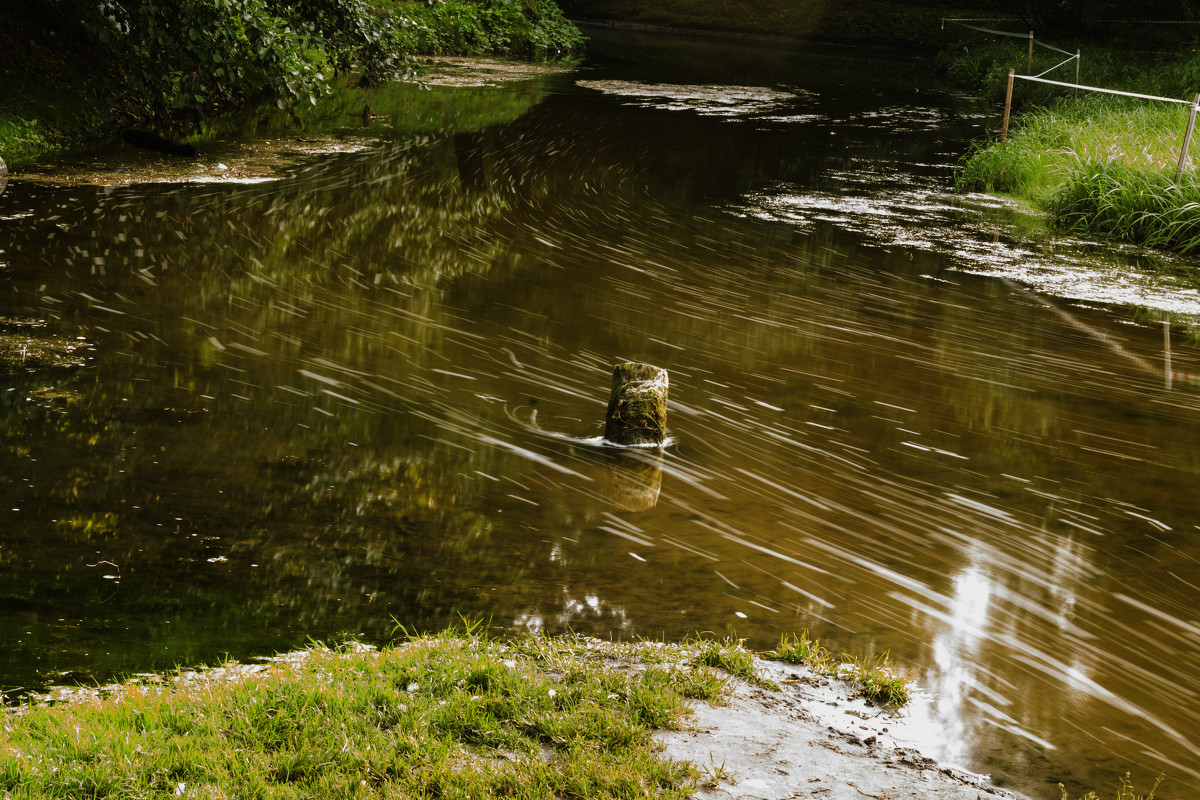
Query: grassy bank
[[451, 715], [1101, 165], [75, 73]]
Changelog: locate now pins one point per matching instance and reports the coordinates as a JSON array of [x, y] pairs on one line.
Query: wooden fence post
[[1167, 350], [1187, 138], [1029, 65], [1007, 106], [1076, 75]]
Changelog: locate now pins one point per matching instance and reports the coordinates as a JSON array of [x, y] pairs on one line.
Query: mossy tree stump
[[637, 408]]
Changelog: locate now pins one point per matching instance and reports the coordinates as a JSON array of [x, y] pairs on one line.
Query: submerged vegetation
[[76, 71], [451, 715], [1099, 165], [1125, 792]]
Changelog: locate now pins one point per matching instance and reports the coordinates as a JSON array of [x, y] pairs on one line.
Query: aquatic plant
[[1125, 792]]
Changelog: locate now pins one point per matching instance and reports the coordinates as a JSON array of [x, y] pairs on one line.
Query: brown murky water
[[367, 394]]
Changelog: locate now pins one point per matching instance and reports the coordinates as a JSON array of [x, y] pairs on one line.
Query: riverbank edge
[[39, 130], [1100, 166], [572, 715]]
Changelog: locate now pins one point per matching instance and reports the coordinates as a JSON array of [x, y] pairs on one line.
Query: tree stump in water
[[3, 175], [637, 408]]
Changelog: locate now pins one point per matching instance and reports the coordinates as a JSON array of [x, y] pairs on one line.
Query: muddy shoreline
[[814, 739]]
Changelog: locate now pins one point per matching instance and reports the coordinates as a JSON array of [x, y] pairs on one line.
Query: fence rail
[[1032, 41]]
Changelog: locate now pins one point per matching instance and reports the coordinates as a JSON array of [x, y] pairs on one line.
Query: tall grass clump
[[878, 681], [1130, 204], [1097, 167]]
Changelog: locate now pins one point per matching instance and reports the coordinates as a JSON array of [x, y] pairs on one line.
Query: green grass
[[59, 95], [728, 654], [1097, 167], [877, 680], [1101, 165], [449, 715], [800, 649], [854, 22], [876, 677], [24, 140]]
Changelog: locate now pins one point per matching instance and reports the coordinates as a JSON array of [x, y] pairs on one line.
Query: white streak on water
[[532, 456]]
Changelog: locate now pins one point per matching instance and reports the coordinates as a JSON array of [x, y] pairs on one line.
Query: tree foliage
[[176, 61]]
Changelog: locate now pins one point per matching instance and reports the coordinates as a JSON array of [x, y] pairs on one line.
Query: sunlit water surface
[[368, 394]]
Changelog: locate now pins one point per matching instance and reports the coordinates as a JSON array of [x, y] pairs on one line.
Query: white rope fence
[[1056, 66], [1032, 41], [1187, 136], [1040, 79]]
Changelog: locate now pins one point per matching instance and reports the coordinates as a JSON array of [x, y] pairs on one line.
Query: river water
[[365, 394]]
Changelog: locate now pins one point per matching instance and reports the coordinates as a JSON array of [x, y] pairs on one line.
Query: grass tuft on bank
[[876, 676], [449, 715]]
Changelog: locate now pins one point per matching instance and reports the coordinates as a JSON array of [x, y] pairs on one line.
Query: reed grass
[[1097, 167]]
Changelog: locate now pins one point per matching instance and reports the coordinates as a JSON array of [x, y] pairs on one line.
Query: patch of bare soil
[[813, 739]]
